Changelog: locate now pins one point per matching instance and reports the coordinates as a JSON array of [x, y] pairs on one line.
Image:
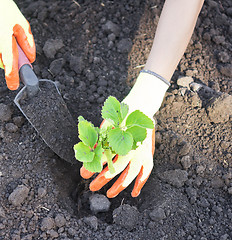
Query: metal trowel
[[42, 104]]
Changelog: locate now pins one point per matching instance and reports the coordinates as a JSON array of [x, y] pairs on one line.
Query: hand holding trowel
[[39, 100]]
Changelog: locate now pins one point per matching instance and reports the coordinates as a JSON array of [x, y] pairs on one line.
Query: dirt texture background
[[93, 49]]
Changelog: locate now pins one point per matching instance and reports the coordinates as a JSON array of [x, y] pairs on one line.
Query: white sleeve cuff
[[147, 94]]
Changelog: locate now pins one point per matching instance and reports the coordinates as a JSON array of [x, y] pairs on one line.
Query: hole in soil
[[74, 192]]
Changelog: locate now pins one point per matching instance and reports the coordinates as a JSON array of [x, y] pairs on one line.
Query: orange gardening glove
[[146, 96], [13, 26]]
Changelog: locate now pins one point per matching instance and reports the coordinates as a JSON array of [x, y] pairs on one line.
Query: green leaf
[[80, 118], [137, 118], [93, 166], [96, 165], [83, 153], [111, 110], [108, 154], [138, 133], [87, 132], [134, 146], [120, 141], [98, 153], [124, 110]]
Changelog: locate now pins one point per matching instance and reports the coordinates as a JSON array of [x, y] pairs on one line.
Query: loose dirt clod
[[47, 223], [51, 47], [186, 162], [99, 203], [5, 112], [157, 214], [126, 216], [60, 220], [92, 222], [18, 196], [175, 177], [185, 82], [219, 111]]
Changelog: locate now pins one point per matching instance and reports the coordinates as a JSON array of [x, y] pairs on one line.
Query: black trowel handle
[[26, 74]]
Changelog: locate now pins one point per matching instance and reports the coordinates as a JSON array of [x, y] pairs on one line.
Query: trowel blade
[[49, 115]]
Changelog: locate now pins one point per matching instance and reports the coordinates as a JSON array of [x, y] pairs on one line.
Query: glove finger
[[1, 63], [9, 59], [125, 179], [85, 173], [153, 141], [25, 39], [105, 176], [142, 178], [145, 171]]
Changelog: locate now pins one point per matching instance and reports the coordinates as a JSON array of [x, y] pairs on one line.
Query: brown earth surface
[[93, 49]]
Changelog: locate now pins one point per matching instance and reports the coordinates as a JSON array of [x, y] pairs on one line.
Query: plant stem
[[108, 154]]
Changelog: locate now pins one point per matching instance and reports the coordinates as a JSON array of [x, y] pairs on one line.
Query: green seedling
[[120, 133]]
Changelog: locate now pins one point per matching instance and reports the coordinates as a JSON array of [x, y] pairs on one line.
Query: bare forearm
[[174, 30]]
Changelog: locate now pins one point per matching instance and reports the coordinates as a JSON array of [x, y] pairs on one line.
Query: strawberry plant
[[119, 134]]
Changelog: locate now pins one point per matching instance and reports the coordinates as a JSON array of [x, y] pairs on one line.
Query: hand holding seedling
[[118, 139], [13, 26], [125, 140]]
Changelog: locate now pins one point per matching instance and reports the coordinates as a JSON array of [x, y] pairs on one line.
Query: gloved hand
[[146, 96], [13, 26]]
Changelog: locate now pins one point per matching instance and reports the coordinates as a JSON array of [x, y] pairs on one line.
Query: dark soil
[[94, 49], [48, 113]]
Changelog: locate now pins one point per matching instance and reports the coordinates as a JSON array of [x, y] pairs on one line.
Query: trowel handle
[[26, 74]]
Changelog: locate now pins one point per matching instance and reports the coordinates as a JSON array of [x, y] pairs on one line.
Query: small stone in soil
[[192, 194], [99, 203], [90, 76], [195, 86], [77, 64], [126, 216], [230, 190], [51, 47], [225, 237], [185, 82], [47, 223], [92, 222], [111, 37], [72, 231], [186, 162], [219, 111], [41, 192], [200, 169], [5, 112], [110, 27], [18, 196], [102, 82], [124, 45], [176, 177], [56, 66], [60, 221], [217, 182], [226, 70], [184, 149], [157, 214], [11, 127], [223, 57], [53, 233], [18, 121], [2, 212]]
